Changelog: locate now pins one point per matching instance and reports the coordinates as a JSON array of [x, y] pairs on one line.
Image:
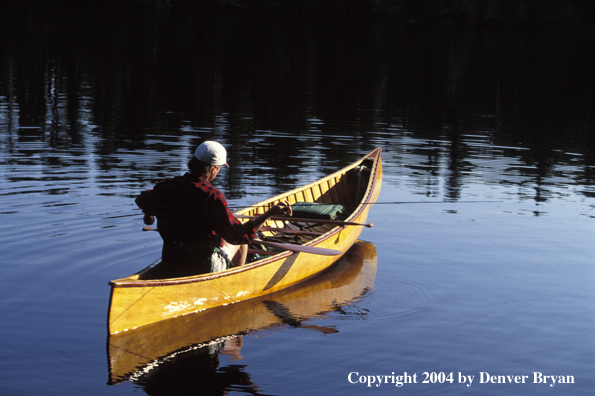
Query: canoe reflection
[[185, 351]]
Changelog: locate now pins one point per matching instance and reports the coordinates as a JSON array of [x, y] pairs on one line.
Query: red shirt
[[188, 208]]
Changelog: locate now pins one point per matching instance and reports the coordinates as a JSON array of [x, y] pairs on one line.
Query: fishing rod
[[383, 203], [428, 202]]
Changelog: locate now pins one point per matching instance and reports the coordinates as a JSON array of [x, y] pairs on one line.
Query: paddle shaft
[[299, 248], [316, 221], [289, 231], [286, 246], [275, 229]]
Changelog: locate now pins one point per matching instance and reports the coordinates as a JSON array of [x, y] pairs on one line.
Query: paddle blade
[[301, 248]]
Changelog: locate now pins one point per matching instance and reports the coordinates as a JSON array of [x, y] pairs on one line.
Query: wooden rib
[[327, 194], [338, 185], [308, 197], [333, 190], [316, 192]]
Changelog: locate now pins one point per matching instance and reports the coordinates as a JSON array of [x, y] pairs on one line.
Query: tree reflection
[[289, 96]]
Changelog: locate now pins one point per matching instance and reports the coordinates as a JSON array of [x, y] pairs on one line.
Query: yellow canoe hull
[[135, 302], [132, 353]]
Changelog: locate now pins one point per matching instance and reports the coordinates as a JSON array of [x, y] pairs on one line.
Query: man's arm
[[281, 209]]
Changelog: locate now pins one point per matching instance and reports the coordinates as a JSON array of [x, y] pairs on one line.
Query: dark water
[[97, 105]]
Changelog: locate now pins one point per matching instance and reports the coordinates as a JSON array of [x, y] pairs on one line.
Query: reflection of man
[[198, 372], [199, 232], [232, 348]]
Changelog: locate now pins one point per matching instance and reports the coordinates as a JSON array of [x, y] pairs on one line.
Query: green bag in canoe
[[321, 211]]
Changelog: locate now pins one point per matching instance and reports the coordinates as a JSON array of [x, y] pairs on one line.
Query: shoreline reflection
[[125, 116]]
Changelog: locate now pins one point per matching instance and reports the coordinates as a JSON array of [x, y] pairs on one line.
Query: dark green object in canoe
[[320, 211]]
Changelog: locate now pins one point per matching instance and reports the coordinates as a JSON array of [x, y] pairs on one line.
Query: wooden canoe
[[139, 300], [133, 353]]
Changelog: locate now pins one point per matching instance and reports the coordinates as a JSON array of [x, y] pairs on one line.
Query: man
[[199, 232]]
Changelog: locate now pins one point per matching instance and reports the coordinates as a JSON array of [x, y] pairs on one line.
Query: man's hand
[[282, 209], [148, 220]]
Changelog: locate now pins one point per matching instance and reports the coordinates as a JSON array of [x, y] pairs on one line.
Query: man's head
[[208, 159], [211, 153]]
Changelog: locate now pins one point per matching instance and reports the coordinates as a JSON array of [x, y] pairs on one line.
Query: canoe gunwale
[[359, 209], [197, 278]]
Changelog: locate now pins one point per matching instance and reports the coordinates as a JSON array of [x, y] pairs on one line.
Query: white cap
[[211, 153]]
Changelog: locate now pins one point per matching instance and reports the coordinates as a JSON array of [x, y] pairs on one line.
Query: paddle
[[316, 221], [299, 248], [288, 231], [286, 246]]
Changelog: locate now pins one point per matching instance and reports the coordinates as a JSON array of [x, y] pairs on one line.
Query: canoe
[[341, 289], [140, 299]]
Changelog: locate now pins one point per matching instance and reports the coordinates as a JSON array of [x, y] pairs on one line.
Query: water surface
[[482, 247]]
